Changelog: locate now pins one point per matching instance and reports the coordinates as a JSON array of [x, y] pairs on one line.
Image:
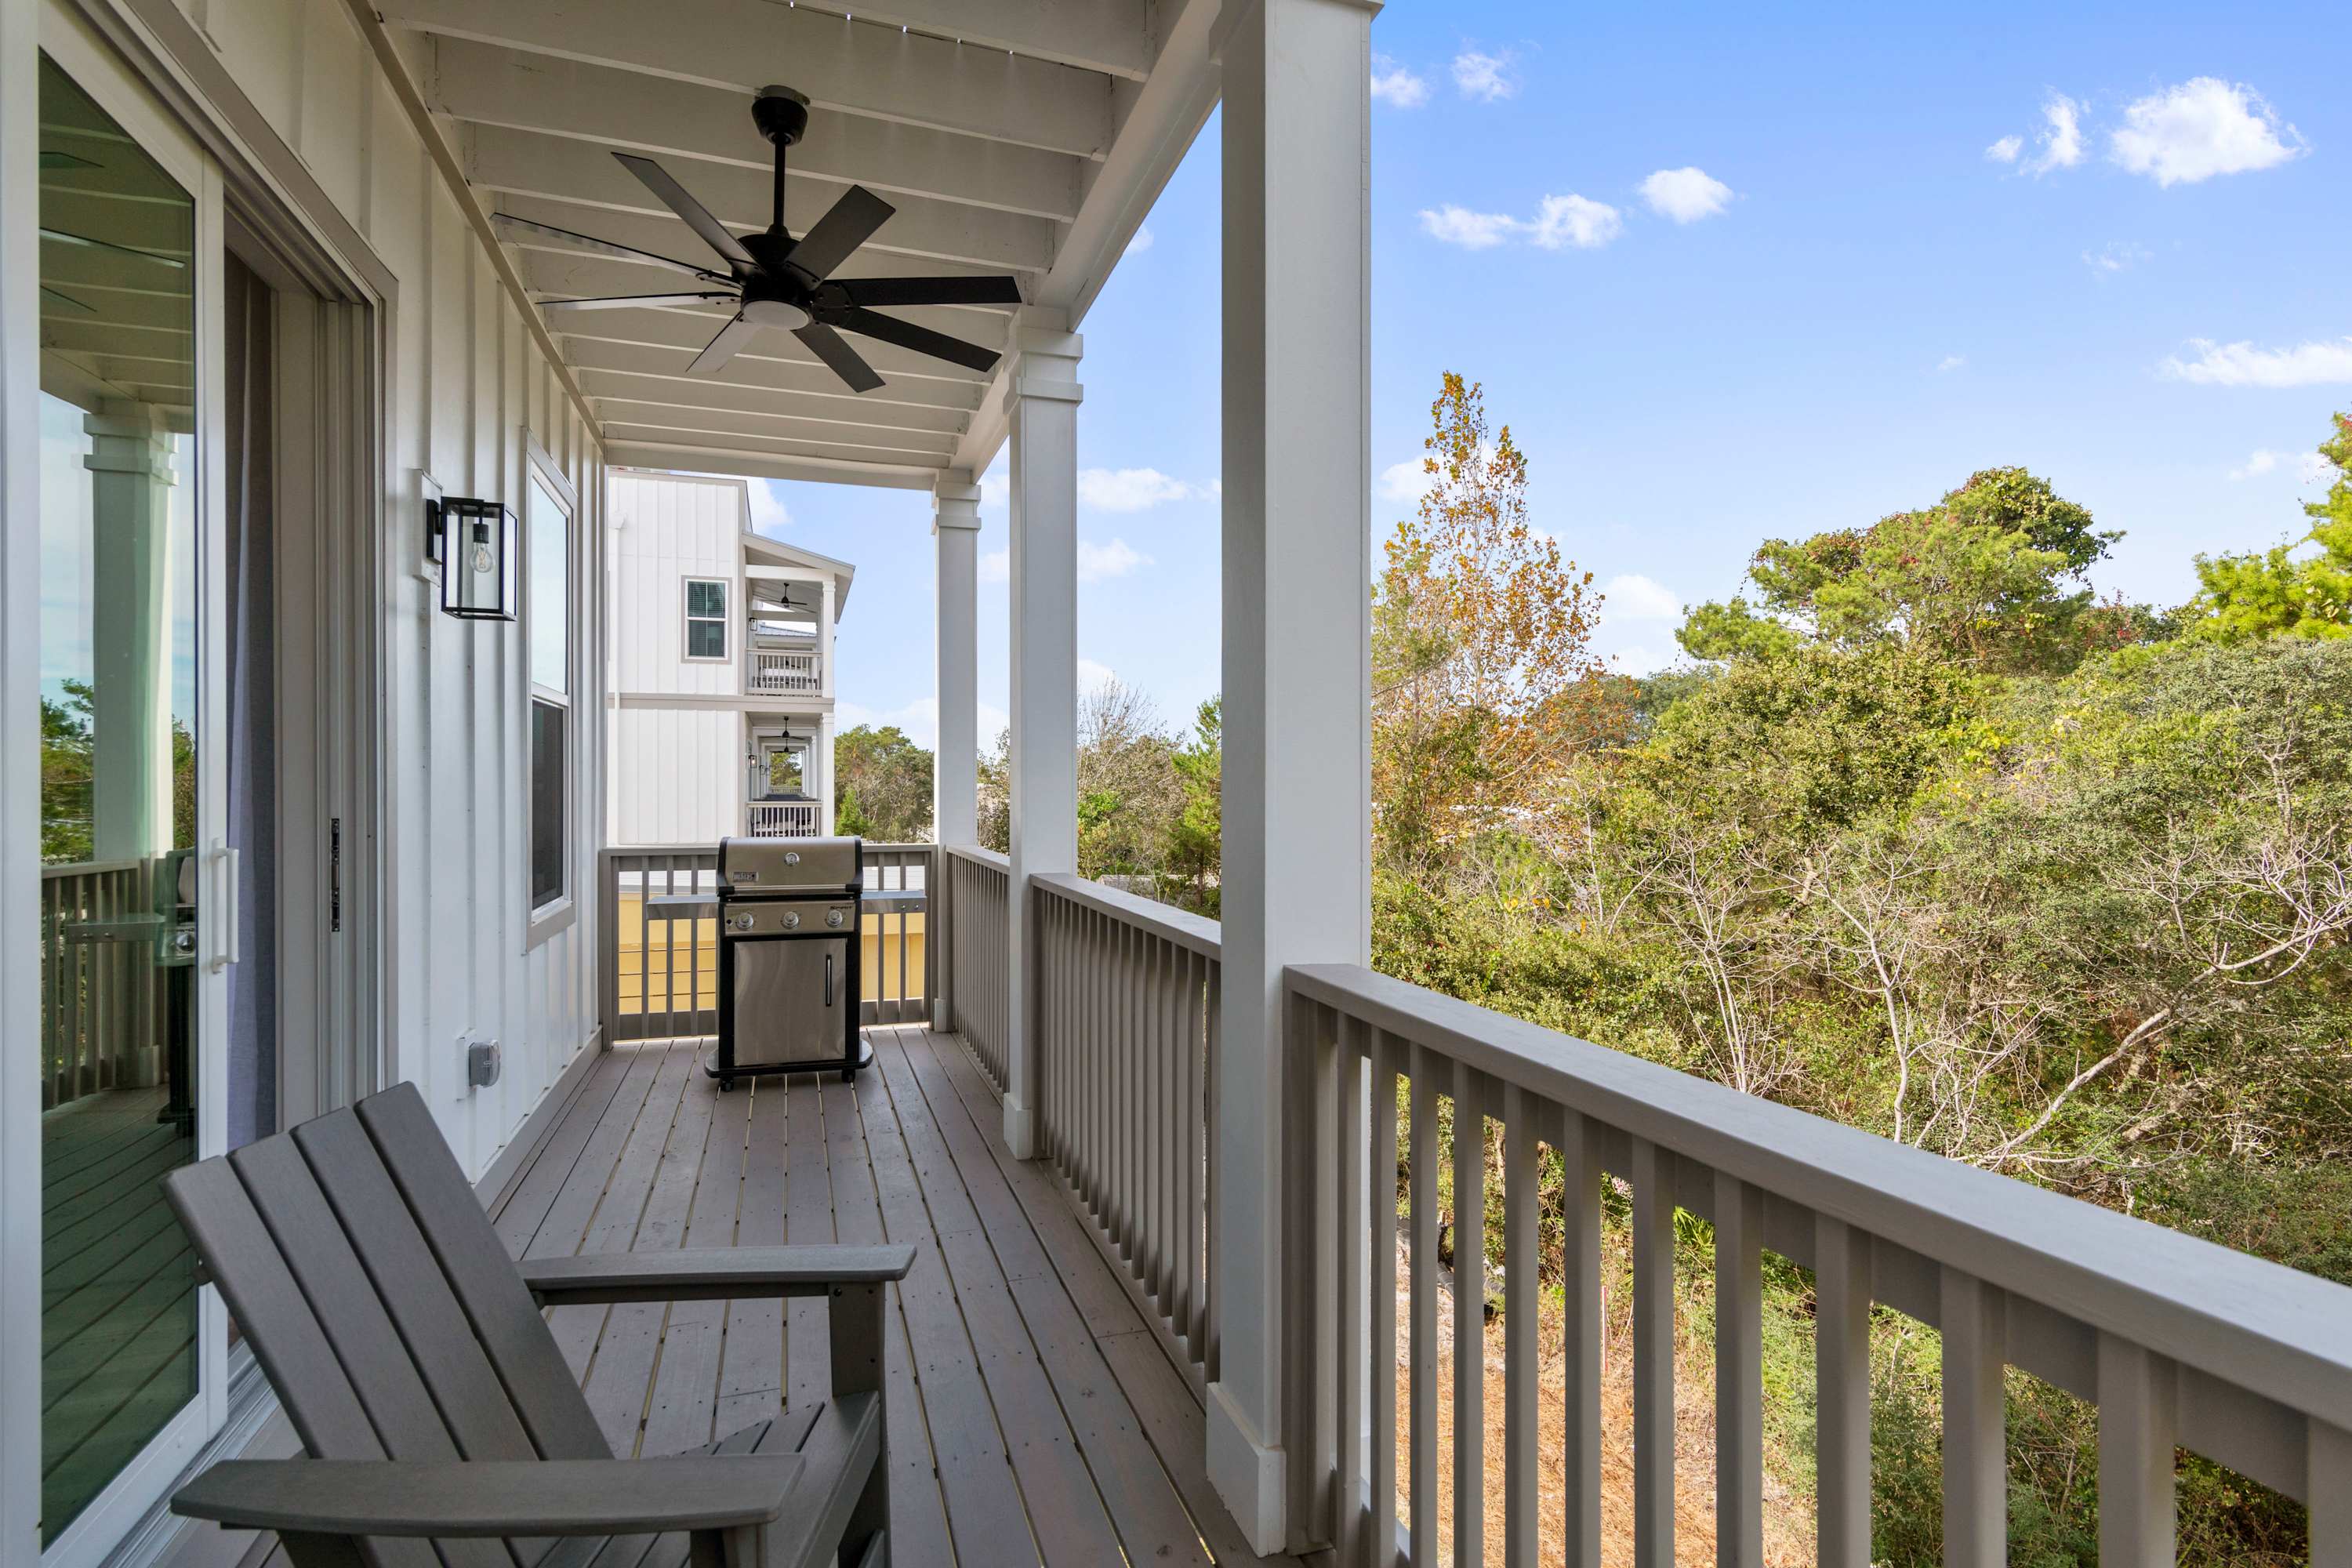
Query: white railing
[[784, 818], [978, 956], [1126, 1051], [2176, 1341], [898, 967], [99, 1020], [774, 671]]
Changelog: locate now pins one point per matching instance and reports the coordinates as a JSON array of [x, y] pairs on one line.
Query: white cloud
[[996, 566], [2263, 462], [1484, 76], [1559, 222], [1092, 677], [1633, 596], [1576, 220], [1128, 490], [1117, 559], [768, 512], [2317, 363], [1638, 661], [1405, 481], [2313, 468], [1141, 243], [1471, 231], [1396, 86], [2006, 150], [2120, 257], [1685, 194], [996, 485], [1951, 362], [2061, 142], [2201, 129]]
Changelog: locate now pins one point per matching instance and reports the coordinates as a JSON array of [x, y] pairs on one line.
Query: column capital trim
[[1232, 17]]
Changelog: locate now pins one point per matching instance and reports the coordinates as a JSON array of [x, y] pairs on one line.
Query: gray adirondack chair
[[441, 1425]]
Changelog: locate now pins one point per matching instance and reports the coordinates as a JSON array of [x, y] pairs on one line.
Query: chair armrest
[[710, 1273], [492, 1497]]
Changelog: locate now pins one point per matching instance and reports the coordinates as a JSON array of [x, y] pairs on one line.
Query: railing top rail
[[1164, 921], [978, 857], [712, 850], [2274, 1330], [89, 869]]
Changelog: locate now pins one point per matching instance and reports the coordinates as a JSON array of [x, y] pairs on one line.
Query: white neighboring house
[[722, 666]]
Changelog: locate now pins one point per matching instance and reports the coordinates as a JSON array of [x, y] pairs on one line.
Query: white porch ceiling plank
[[1110, 36], [699, 392], [714, 459], [484, 85], [894, 445], [899, 399], [688, 331], [526, 163], [859, 67], [839, 451]]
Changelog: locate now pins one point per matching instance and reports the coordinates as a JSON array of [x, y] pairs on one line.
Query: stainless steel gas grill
[[788, 952]]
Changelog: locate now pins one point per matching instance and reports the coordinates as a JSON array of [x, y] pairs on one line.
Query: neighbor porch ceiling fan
[[775, 280]]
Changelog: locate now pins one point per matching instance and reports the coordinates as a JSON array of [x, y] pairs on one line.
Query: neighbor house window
[[549, 623], [706, 617]]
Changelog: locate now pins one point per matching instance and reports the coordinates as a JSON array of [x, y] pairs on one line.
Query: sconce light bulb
[[481, 558]]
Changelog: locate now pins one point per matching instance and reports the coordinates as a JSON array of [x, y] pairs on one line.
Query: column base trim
[[1019, 1128], [1248, 1475]]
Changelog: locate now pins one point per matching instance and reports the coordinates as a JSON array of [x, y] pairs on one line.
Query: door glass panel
[[118, 676]]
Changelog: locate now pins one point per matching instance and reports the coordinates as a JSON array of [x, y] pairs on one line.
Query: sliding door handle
[[224, 912]]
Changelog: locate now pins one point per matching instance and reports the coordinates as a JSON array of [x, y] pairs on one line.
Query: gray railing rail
[[659, 979], [1127, 1044], [2175, 1339], [100, 1022], [975, 881]]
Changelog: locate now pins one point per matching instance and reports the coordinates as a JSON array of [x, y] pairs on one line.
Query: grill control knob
[[792, 919], [743, 923], [832, 917]]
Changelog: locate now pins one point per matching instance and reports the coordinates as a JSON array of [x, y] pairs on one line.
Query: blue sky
[[1729, 277]]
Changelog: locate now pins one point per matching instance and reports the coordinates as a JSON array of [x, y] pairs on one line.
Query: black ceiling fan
[[775, 280]]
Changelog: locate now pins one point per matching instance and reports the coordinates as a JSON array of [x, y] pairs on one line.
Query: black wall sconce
[[476, 543]]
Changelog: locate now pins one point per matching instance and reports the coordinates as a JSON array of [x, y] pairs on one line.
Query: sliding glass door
[[134, 940]]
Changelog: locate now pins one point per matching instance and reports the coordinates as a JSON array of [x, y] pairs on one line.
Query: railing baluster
[[1422, 1478], [1976, 1472], [2328, 1487], [1522, 1509], [1738, 1374], [1581, 1461], [1379, 1546], [1653, 1356], [1469, 1318], [1353, 1301], [1842, 1372], [2138, 1393]]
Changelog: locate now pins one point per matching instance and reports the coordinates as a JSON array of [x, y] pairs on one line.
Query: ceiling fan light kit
[[776, 281]]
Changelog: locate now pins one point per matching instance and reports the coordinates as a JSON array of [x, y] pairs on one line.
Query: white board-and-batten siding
[[660, 530], [467, 380]]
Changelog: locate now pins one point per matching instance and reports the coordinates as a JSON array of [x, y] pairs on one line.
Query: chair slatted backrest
[[361, 1267]]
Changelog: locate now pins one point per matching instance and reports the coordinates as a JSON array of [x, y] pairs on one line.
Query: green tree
[[2280, 592], [66, 798], [882, 781], [1193, 857]]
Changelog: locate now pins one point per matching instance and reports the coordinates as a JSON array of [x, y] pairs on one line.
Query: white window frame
[[726, 604], [558, 913]]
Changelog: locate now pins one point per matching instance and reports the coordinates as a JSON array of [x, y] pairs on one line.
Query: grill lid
[[756, 866]]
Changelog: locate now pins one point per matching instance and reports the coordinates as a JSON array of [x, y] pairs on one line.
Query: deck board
[[1034, 1419]]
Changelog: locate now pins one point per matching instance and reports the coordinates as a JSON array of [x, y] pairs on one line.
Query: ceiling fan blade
[[922, 340], [931, 291], [606, 247], [838, 356], [50, 160], [696, 215], [846, 224], [62, 238], [731, 341], [622, 301], [49, 293]]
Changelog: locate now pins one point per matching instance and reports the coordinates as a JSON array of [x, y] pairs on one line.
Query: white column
[[824, 614], [824, 789], [1040, 411], [955, 766], [1297, 568], [129, 464]]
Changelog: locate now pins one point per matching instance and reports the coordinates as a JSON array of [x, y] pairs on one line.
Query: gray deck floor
[[1033, 1415]]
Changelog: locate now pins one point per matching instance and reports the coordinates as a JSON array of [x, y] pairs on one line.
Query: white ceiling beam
[[857, 66], [688, 331], [484, 85], [700, 392], [893, 445], [716, 459], [898, 400], [839, 451], [524, 164], [1109, 36]]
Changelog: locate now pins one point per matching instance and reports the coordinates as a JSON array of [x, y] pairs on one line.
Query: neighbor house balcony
[[784, 818], [784, 672]]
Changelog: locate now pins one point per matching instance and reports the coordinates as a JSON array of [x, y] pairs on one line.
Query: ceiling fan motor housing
[[781, 115]]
